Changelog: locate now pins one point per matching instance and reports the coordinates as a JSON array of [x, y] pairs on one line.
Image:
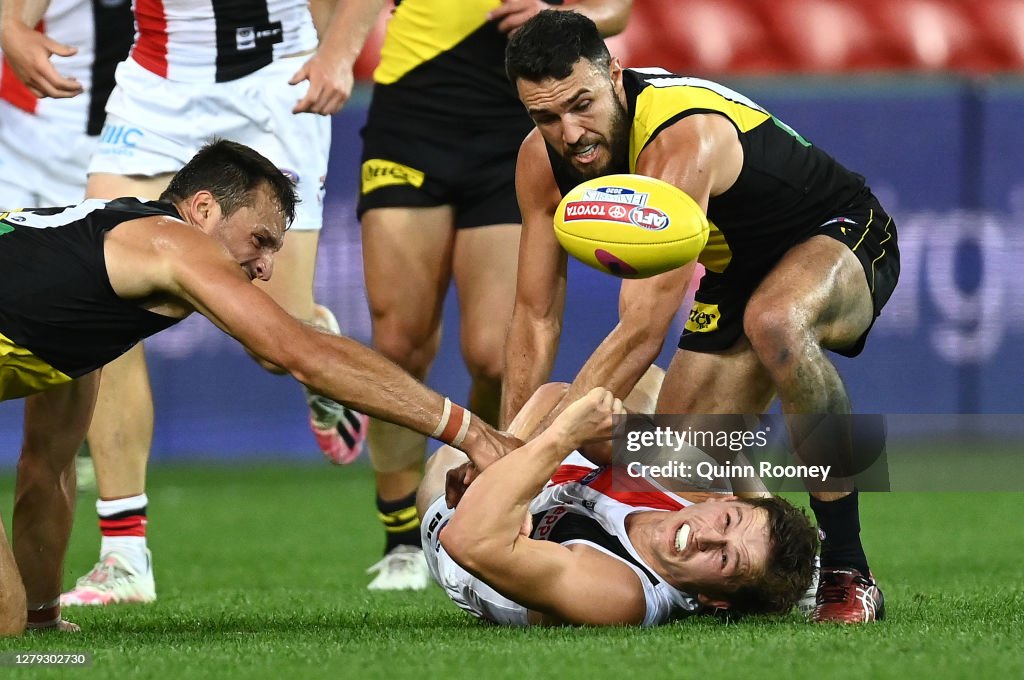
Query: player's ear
[[204, 207], [615, 71], [712, 602]]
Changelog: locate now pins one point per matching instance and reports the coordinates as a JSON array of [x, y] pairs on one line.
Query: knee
[[14, 614], [778, 334], [485, 357], [410, 346], [41, 465]]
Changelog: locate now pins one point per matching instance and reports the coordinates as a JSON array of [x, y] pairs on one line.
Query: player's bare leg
[[732, 381], [817, 297], [486, 284], [55, 425], [13, 607], [407, 263]]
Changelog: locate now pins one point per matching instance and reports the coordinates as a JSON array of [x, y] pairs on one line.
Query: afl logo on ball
[[648, 218]]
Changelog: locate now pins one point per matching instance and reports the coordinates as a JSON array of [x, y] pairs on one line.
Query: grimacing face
[[253, 234], [712, 547], [581, 117]]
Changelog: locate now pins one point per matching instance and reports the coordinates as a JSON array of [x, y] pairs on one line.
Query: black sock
[[401, 523], [839, 521]]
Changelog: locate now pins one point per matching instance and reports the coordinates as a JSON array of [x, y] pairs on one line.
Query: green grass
[[260, 574]]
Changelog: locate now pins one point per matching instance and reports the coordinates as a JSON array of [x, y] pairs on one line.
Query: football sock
[[123, 526], [401, 523], [839, 522]]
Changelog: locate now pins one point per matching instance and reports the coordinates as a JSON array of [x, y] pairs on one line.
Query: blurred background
[[923, 97]]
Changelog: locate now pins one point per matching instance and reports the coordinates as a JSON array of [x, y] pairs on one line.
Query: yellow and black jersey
[[442, 59], [785, 190], [59, 315]]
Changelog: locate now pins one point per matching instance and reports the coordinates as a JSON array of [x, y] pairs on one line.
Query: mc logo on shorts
[[703, 318], [378, 173], [120, 136]]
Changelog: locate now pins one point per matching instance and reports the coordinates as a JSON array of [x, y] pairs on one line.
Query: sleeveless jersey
[[102, 31], [786, 188], [578, 506], [443, 59], [59, 316], [207, 41], [581, 504]]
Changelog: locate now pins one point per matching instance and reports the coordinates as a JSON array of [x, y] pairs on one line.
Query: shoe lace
[[834, 590], [395, 561], [106, 573]]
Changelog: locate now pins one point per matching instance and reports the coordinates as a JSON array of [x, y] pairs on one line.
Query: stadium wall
[[945, 156]]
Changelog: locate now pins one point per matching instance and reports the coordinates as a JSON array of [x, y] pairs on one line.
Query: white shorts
[[155, 126], [43, 161], [464, 589]]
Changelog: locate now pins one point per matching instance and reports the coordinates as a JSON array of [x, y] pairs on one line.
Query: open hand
[[28, 52], [330, 85], [514, 13]]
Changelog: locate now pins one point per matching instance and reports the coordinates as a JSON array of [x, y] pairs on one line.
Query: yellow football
[[630, 225]]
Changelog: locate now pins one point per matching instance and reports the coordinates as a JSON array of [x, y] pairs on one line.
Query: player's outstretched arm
[[536, 324], [329, 71], [28, 51], [485, 534], [164, 258]]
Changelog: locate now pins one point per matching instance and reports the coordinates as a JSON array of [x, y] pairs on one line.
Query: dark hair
[[231, 172], [789, 569], [550, 44]]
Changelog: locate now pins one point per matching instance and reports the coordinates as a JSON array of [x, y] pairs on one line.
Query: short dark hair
[[550, 44], [789, 569], [231, 172]]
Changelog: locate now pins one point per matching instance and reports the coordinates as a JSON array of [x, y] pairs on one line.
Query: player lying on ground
[[539, 538], [83, 284]]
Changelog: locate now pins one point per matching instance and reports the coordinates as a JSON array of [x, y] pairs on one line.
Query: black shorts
[[716, 318], [411, 162]]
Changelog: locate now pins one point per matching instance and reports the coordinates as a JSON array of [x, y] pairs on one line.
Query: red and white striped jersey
[[584, 504], [101, 30], [218, 40]]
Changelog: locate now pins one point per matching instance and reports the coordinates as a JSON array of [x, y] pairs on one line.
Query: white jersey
[[218, 40], [580, 505], [102, 33], [45, 144]]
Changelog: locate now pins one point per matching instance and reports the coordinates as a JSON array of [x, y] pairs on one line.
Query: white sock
[[121, 517]]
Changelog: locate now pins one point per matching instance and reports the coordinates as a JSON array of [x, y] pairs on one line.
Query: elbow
[[470, 550], [297, 359], [616, 23], [460, 545]]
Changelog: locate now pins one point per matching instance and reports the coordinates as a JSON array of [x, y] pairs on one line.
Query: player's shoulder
[[533, 151], [535, 178]]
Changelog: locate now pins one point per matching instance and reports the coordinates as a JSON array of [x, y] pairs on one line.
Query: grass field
[[260, 574]]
